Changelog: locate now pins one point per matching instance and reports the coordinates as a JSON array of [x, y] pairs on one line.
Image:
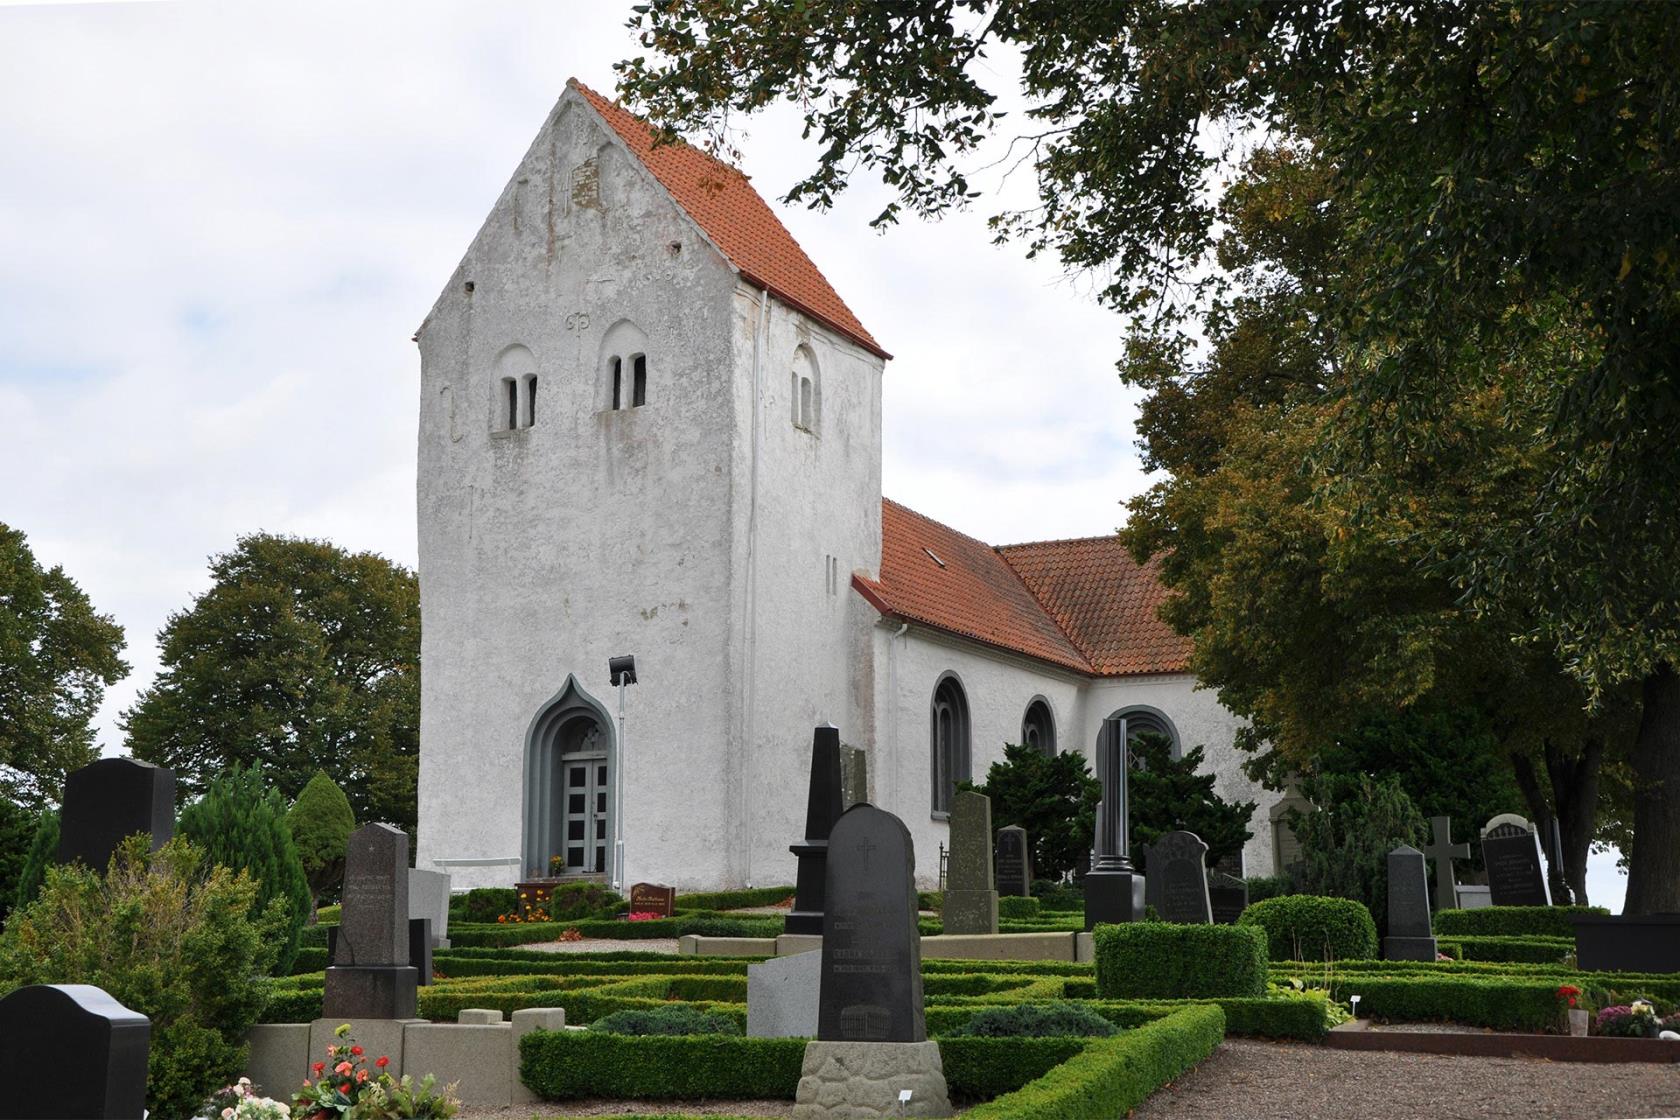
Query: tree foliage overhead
[[300, 656], [57, 656]]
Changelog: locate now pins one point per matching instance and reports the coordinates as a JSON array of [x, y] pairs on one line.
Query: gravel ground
[[606, 945], [1275, 1081]]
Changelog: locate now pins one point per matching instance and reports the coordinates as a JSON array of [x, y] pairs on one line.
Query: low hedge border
[[1514, 921], [1018, 906], [1160, 960], [733, 900], [1112, 1076], [1508, 950], [1301, 1016], [704, 922]]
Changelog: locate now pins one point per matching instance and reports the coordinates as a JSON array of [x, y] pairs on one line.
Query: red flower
[[356, 1050], [382, 1062], [345, 1088], [361, 1075], [319, 1066]]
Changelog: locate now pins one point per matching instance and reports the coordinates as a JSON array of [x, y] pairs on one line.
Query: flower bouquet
[[344, 1086]]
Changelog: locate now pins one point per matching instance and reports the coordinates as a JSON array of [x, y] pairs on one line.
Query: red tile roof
[[724, 204], [1083, 605]]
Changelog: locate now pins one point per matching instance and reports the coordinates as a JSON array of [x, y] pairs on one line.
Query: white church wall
[[1200, 720], [547, 548], [998, 687]]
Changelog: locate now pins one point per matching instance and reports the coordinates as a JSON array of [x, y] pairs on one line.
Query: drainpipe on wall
[[749, 607]]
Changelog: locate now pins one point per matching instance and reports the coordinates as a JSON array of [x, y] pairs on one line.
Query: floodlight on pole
[[621, 671]]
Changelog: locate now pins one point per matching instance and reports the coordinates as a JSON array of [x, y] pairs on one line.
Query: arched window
[[516, 389], [1136, 721], [949, 741], [1038, 728], [803, 390], [624, 366]]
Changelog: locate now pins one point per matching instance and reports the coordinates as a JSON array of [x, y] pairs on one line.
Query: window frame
[[950, 758]]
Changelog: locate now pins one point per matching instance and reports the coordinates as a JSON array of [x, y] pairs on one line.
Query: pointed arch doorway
[[570, 768]]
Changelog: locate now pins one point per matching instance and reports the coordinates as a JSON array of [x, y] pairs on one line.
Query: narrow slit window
[[640, 392], [807, 408], [510, 393], [530, 400], [618, 382]]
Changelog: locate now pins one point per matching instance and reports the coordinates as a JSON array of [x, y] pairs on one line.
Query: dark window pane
[[574, 858], [600, 828], [512, 402], [576, 775], [600, 802], [617, 380], [574, 805], [601, 774], [531, 401], [641, 380], [574, 830]]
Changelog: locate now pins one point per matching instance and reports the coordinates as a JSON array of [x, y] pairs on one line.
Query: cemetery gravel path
[[1277, 1081]]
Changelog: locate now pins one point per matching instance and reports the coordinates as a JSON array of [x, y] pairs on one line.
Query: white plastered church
[[649, 426]]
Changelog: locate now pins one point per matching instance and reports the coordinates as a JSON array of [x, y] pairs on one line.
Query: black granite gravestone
[[822, 808], [370, 977], [1113, 890], [1177, 879], [1443, 851], [419, 956], [871, 988], [1410, 936], [71, 1052], [1014, 862], [1511, 851], [110, 800], [1228, 896]]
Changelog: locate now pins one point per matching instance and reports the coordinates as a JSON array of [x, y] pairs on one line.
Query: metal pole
[[618, 797]]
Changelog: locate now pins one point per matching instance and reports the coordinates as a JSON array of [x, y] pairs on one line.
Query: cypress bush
[[240, 823], [321, 823], [1160, 960], [1309, 927], [43, 853]]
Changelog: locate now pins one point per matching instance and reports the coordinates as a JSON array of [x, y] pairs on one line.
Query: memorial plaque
[[651, 898], [1179, 861], [1511, 851], [112, 799], [1014, 862], [1410, 936], [871, 953], [970, 900], [71, 1052], [823, 806]]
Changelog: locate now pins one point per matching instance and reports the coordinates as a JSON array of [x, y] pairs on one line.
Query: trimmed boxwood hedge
[[1112, 1076], [1314, 927], [1515, 921], [1017, 906], [1160, 960], [733, 900], [1509, 950]]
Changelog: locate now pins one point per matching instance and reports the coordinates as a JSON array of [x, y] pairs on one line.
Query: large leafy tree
[[1505, 202], [57, 656], [300, 656]]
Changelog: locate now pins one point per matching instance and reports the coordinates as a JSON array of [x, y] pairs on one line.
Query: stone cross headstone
[[371, 977], [1113, 890], [1014, 862], [651, 898], [1228, 895], [854, 776], [1410, 936], [1443, 851], [871, 1043], [822, 808], [1177, 879], [71, 1052], [1511, 850], [782, 996], [970, 897], [110, 800]]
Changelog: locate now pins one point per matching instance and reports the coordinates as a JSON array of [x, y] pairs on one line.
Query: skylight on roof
[[933, 556]]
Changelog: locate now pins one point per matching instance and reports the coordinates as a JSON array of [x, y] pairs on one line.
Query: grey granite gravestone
[[970, 899], [782, 996], [1113, 889], [1443, 851], [822, 808], [1410, 936], [871, 1043], [428, 897], [371, 977], [1177, 869], [109, 800], [1511, 851], [854, 776], [70, 1051], [1228, 896], [1014, 862]]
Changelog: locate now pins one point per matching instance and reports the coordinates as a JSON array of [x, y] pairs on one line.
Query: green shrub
[[1262, 887], [321, 822], [570, 901], [1111, 1076], [978, 1069], [1014, 906], [931, 900], [1346, 839], [565, 1065], [1514, 921], [1510, 950], [1312, 927], [167, 936], [43, 853], [677, 1019], [1059, 897], [1038, 1020], [486, 904], [240, 823], [1053, 797], [1159, 960]]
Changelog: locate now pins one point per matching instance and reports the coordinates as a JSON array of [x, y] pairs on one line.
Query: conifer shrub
[[321, 822], [167, 935], [42, 854], [1308, 927], [240, 823]]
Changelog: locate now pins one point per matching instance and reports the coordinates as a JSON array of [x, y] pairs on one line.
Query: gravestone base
[[970, 912], [371, 992], [845, 1080], [1410, 949], [1113, 897]]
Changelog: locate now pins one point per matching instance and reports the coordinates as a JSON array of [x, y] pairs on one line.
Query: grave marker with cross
[[1443, 851]]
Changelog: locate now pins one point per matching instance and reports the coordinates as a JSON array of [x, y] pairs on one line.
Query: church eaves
[[1082, 605], [722, 202]]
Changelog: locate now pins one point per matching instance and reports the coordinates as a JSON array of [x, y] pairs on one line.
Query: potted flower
[[344, 1087], [1634, 1020], [241, 1101], [1575, 1016], [556, 866]]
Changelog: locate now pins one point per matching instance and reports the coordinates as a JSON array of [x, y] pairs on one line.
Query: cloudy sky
[[221, 223]]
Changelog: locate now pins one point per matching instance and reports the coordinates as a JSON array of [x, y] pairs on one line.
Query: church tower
[[648, 425]]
